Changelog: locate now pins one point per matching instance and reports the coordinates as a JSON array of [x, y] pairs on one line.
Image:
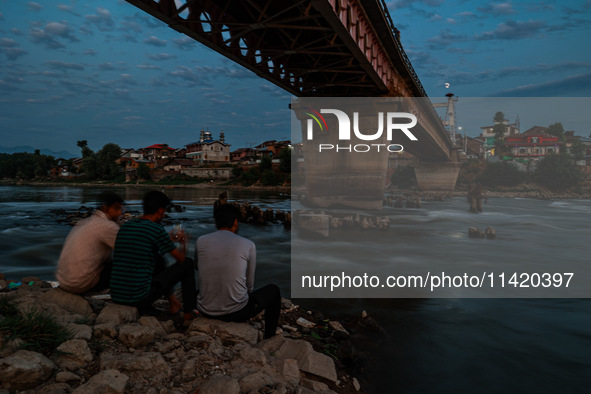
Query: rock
[[80, 331], [356, 384], [305, 323], [220, 384], [149, 365], [24, 370], [308, 360], [223, 330], [135, 335], [491, 233], [253, 355], [255, 382], [154, 324], [63, 377], [285, 327], [105, 330], [288, 369], [117, 314], [474, 232], [70, 302], [168, 326], [313, 385], [287, 304], [76, 353], [167, 346], [338, 327], [105, 382]]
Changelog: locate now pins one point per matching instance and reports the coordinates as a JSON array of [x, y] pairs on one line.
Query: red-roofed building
[[158, 152], [533, 144]]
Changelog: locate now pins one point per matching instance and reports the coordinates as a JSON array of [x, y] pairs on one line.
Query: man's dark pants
[[267, 298], [163, 282]]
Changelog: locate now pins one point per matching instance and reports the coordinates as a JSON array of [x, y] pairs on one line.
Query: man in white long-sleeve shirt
[[226, 265]]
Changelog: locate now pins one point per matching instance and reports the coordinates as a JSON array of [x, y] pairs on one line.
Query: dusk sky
[[108, 72]]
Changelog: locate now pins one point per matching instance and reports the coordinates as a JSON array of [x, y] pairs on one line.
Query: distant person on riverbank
[[222, 200], [85, 261], [226, 264], [140, 275]]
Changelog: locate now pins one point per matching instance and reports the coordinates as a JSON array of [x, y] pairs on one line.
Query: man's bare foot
[[175, 304]]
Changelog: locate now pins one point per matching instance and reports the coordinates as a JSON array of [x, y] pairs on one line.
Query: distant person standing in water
[[85, 261], [140, 275]]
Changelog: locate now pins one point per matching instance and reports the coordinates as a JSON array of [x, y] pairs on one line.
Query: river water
[[429, 345]]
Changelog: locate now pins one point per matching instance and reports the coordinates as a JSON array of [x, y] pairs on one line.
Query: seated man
[[226, 264], [85, 261], [136, 279]]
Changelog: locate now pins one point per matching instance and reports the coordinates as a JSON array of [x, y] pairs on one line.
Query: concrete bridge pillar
[[437, 176]]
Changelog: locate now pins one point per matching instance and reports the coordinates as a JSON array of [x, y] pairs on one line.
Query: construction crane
[[449, 121]]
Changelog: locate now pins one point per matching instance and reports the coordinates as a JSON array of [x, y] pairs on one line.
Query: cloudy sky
[[107, 72]]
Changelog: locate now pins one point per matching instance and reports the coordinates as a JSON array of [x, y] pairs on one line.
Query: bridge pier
[[437, 176]]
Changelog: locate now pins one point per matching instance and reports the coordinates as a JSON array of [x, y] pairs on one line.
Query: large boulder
[[74, 353], [109, 381], [70, 302], [226, 331], [118, 314], [154, 324], [24, 370]]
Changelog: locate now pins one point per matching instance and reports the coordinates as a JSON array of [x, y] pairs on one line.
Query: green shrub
[[7, 307], [39, 331], [500, 174], [270, 178], [557, 172]]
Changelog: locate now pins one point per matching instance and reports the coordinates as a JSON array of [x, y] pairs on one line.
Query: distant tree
[[577, 150], [106, 166], [501, 173], [470, 170], [499, 128], [266, 163], [285, 160], [556, 129], [143, 172], [89, 160], [557, 172]]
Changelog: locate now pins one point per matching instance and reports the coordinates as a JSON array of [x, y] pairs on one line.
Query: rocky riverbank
[[113, 349]]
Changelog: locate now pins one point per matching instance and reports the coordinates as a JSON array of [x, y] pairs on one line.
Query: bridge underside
[[309, 48]]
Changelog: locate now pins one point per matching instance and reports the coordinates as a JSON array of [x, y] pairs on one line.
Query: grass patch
[[7, 307], [39, 331]]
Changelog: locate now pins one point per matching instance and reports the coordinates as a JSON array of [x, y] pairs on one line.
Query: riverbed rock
[[491, 233], [80, 331], [135, 335], [149, 365], [118, 314], [24, 370], [75, 353], [105, 330], [109, 381], [225, 331], [152, 323], [288, 368], [220, 384], [64, 376], [70, 302]]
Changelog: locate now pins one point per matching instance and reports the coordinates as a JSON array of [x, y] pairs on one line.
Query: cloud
[[11, 49], [466, 16], [1, 16], [445, 38], [32, 6], [131, 26], [573, 86], [59, 65], [102, 19], [512, 30], [89, 52], [149, 67], [155, 41], [121, 93], [451, 21], [15, 31], [184, 43], [161, 56], [108, 66], [230, 72], [497, 9], [187, 74], [48, 34], [68, 9], [77, 86], [396, 4]]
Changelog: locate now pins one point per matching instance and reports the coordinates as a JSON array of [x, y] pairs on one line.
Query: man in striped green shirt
[[136, 278]]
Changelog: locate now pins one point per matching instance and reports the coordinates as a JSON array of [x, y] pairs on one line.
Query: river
[[429, 345]]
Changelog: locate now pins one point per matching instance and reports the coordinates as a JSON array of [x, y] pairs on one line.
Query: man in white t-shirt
[[226, 265], [85, 260]]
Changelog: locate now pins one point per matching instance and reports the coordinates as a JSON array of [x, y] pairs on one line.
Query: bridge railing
[[405, 58]]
